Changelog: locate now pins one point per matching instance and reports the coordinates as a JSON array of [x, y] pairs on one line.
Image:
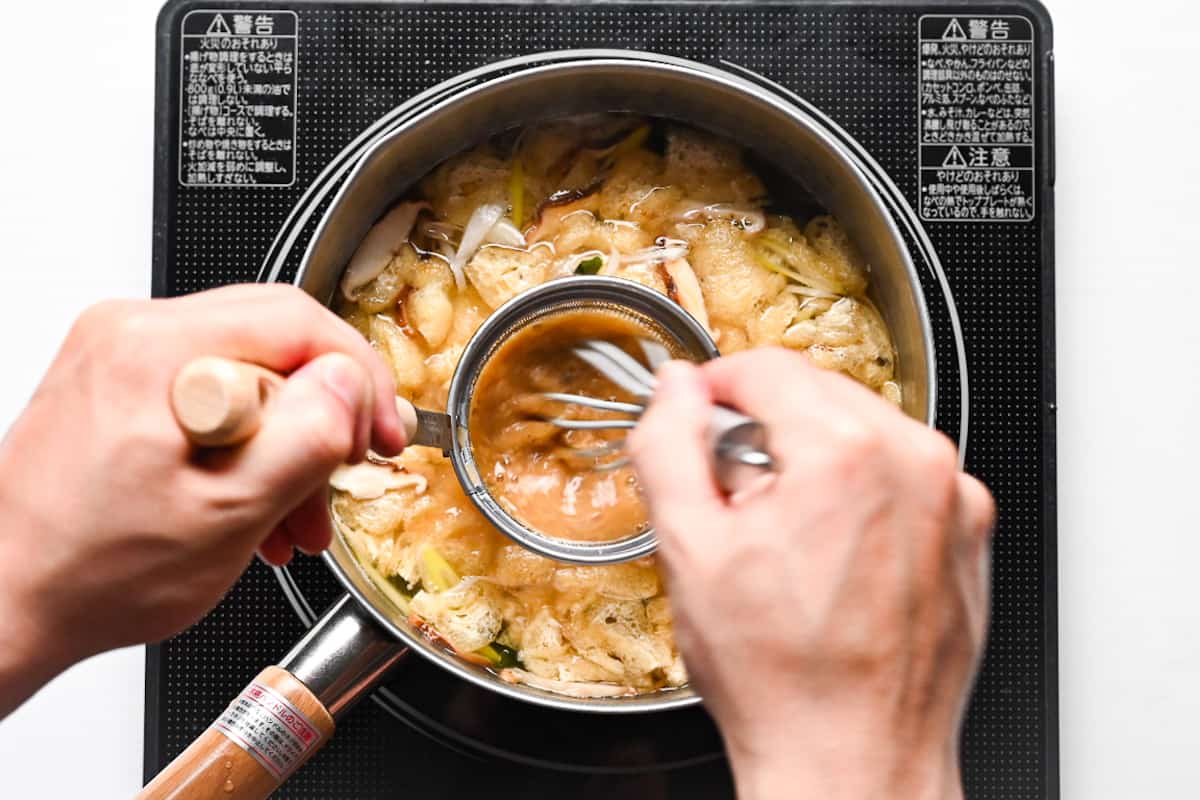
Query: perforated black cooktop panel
[[261, 109]]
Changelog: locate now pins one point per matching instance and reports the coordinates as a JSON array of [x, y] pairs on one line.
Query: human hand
[[116, 531], [832, 617]]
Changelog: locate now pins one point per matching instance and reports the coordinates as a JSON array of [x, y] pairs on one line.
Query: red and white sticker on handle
[[268, 727], [273, 726]]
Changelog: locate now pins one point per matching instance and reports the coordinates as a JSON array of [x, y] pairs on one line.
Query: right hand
[[834, 615]]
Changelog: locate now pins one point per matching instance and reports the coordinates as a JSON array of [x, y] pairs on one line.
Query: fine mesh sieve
[[661, 318]]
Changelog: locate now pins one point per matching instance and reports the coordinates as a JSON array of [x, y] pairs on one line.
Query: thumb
[[319, 418], [669, 449]]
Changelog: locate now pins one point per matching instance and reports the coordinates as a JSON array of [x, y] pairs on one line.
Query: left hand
[[115, 530]]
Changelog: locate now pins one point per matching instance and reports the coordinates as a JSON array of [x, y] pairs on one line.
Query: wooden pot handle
[[218, 402], [266, 733]]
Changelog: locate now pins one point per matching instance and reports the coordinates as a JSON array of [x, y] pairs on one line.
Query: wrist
[[28, 658], [835, 763], [30, 653]]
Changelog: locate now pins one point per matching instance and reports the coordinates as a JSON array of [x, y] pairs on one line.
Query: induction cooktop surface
[[946, 108]]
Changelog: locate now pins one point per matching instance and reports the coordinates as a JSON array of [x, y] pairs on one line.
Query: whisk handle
[[739, 444]]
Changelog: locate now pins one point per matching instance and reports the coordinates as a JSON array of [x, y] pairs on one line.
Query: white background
[[76, 152]]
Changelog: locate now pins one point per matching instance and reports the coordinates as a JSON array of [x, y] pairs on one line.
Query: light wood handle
[[274, 726], [218, 401]]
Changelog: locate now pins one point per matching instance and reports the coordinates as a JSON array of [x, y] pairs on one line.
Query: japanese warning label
[[237, 109], [267, 726], [976, 117]]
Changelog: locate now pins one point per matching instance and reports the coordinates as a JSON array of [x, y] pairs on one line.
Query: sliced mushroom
[[688, 289], [379, 246], [368, 481]]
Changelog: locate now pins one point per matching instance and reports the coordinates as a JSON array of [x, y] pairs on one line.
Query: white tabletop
[[76, 161]]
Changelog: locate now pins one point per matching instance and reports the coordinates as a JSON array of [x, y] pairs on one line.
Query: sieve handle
[[219, 402], [425, 427], [739, 447]]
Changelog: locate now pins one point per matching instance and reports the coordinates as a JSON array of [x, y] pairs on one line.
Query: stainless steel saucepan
[[289, 710]]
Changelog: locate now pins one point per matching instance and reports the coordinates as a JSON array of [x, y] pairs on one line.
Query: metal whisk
[[738, 442]]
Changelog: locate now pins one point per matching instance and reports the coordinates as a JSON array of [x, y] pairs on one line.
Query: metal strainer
[[664, 319]]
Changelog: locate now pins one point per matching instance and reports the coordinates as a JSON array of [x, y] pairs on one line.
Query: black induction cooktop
[[947, 109]]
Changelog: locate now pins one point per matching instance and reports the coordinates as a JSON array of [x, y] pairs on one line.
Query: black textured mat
[[947, 107]]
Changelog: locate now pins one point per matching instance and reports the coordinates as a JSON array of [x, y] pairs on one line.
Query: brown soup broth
[[527, 462]]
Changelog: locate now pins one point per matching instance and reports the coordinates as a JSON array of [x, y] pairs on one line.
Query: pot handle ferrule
[[343, 656]]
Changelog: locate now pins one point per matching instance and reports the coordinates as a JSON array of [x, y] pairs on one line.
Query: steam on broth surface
[[667, 206]]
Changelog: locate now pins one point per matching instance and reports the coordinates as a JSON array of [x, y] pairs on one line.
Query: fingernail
[[680, 380], [268, 562], [675, 372], [342, 376]]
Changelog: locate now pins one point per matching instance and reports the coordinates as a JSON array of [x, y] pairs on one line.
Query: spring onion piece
[[769, 259], [570, 264], [392, 587], [438, 576], [436, 573], [808, 291], [379, 246], [769, 263], [772, 245], [589, 266], [491, 654], [613, 263], [482, 220], [516, 192], [499, 656], [631, 142], [505, 233]]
